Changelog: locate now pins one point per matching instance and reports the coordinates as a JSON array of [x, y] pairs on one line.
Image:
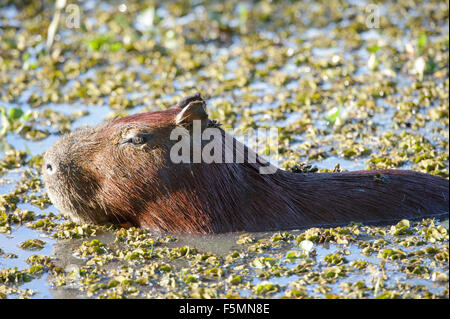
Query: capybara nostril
[[50, 169]]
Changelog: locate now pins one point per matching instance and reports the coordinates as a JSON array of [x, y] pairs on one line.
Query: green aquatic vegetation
[[13, 120], [266, 288], [417, 269], [422, 42], [94, 247], [203, 293], [137, 237], [214, 272], [41, 261], [245, 239], [71, 230], [392, 254], [330, 274], [261, 246], [5, 226], [300, 168], [104, 42], [389, 295], [296, 293], [6, 290], [264, 262], [282, 237], [411, 241], [22, 215], [260, 66], [359, 264], [11, 255], [138, 254], [306, 268], [235, 280], [190, 279], [233, 256], [434, 233], [12, 275], [333, 115], [338, 235], [45, 224], [180, 252], [293, 255], [19, 122], [335, 259], [12, 159], [370, 247], [402, 228], [58, 120], [32, 244], [199, 275], [206, 258]]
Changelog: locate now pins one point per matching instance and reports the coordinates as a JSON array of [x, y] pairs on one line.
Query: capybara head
[[113, 172]]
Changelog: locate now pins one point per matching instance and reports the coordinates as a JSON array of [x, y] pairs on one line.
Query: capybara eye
[[137, 140]]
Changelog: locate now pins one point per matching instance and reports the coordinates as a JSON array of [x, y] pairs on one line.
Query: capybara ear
[[188, 99], [195, 110]]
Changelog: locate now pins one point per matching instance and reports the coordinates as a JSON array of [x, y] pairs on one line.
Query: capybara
[[123, 172]]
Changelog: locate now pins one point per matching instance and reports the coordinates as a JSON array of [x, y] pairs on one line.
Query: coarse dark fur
[[91, 175]]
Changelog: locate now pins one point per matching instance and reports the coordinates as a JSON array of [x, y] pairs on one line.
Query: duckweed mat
[[350, 85]]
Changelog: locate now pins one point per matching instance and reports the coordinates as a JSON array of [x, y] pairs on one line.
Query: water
[[229, 58], [10, 244]]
